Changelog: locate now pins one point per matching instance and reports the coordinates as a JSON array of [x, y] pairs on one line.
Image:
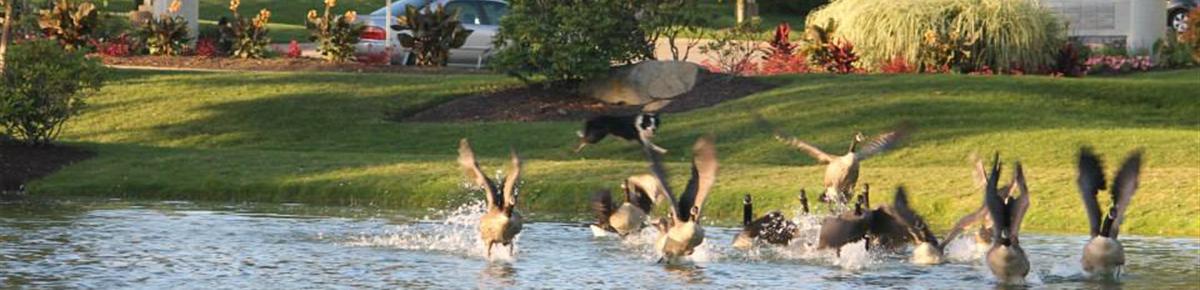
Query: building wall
[[1133, 24]]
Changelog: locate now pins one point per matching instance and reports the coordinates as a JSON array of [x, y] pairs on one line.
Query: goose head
[[858, 138], [747, 211], [803, 201]]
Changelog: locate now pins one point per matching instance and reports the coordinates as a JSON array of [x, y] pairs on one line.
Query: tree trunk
[[4, 30], [740, 13]]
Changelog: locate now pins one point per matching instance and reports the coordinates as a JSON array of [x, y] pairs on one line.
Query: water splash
[[456, 232]]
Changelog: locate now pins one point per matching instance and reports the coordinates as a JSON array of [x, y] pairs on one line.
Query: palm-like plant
[[69, 22], [431, 34], [335, 35], [168, 34]]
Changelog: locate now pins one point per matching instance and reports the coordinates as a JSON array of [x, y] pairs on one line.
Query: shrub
[[840, 58], [801, 7], [244, 37], [1191, 37], [733, 51], [44, 86], [897, 65], [1171, 53], [672, 19], [431, 34], [69, 22], [1118, 64], [207, 47], [1072, 60], [569, 40], [947, 51], [167, 35], [335, 35], [834, 55], [293, 50], [781, 57], [120, 46], [1011, 33]]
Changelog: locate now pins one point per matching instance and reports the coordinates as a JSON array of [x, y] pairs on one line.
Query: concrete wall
[[1134, 24]]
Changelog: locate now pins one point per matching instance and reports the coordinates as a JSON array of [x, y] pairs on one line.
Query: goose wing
[[964, 222], [1124, 185], [1091, 181], [811, 150], [514, 177], [910, 219], [1018, 207], [466, 159], [884, 141], [660, 176], [602, 206], [704, 174], [841, 230], [996, 208], [639, 198]]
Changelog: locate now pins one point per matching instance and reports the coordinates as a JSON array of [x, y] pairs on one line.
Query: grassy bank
[[323, 138]]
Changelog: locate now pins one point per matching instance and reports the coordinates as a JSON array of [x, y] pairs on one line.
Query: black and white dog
[[640, 128]]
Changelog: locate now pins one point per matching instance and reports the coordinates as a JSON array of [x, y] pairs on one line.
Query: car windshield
[[398, 7]]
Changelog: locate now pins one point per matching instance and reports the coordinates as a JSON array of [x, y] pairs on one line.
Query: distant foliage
[[1191, 37], [207, 47], [69, 22], [431, 33], [1171, 53], [335, 35], [1002, 35], [1118, 64], [833, 54], [120, 46], [801, 7], [733, 51], [166, 35], [566, 41], [672, 19], [42, 86], [245, 37], [1072, 60], [293, 50]]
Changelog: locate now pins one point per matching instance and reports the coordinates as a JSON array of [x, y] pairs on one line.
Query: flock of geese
[[996, 224]]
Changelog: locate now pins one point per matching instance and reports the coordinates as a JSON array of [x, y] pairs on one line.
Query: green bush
[[1171, 53], [70, 22], [335, 35], [167, 35], [1012, 34], [569, 40], [431, 33], [802, 7], [42, 87], [245, 37]]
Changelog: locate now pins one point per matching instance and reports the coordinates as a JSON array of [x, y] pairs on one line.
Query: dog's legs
[[646, 142], [580, 147]]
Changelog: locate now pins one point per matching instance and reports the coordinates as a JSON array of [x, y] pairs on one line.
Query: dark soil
[[20, 164], [271, 64], [537, 103]]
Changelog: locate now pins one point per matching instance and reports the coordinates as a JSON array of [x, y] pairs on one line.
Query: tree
[[5, 30]]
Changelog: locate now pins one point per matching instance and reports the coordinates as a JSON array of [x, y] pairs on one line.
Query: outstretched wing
[[910, 219], [1091, 181], [980, 173], [817, 154], [660, 176], [704, 174], [1018, 208], [466, 159], [1124, 185], [602, 206], [514, 177], [885, 141], [996, 208], [639, 198], [964, 222]]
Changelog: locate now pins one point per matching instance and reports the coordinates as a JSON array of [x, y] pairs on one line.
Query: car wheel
[[1178, 20]]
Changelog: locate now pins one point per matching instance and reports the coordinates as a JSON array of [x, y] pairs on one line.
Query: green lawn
[[287, 17], [323, 138]]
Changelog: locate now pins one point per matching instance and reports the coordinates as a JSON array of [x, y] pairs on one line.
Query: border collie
[[640, 128]]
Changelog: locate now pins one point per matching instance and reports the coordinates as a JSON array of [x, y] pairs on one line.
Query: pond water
[[160, 245]]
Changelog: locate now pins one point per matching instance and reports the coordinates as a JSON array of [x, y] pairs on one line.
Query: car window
[[493, 11], [398, 7], [468, 11]]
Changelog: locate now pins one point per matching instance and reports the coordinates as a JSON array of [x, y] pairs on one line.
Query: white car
[[480, 16]]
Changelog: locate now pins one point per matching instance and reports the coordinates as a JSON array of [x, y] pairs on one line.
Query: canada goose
[[502, 222], [772, 228], [803, 197], [1103, 254], [1006, 259], [625, 219], [926, 249], [979, 217], [848, 227], [841, 173], [681, 233]]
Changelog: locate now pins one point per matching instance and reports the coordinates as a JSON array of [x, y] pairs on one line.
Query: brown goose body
[[841, 171], [1103, 256], [1008, 263], [502, 223], [1006, 259], [772, 228], [681, 233]]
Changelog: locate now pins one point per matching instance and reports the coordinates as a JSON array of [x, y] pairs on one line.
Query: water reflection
[[496, 275]]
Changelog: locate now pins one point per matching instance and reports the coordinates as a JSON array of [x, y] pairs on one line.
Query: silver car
[[480, 16]]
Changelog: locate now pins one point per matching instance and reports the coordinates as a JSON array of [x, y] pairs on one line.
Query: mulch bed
[[271, 64], [20, 164], [537, 103]]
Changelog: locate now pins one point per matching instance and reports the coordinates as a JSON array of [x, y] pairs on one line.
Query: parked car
[[1177, 11], [480, 16]]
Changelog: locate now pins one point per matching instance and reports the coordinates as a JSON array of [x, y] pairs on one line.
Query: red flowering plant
[[781, 57], [897, 65]]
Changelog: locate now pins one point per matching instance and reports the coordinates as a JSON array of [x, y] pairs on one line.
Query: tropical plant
[[567, 41], [69, 22], [431, 33], [781, 55], [946, 51], [42, 87], [1191, 37], [1072, 60], [120, 46], [207, 47], [1011, 33], [823, 48], [897, 65], [166, 35], [1171, 53], [293, 50], [245, 37], [335, 35]]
